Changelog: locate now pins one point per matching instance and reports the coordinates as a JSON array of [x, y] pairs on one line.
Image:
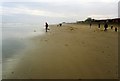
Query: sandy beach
[[73, 51]]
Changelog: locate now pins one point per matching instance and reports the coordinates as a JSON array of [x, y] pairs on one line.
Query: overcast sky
[[55, 11]]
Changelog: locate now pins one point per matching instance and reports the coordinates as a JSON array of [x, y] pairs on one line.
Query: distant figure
[[99, 25], [111, 27], [46, 26], [105, 26], [90, 25], [60, 24], [115, 29]]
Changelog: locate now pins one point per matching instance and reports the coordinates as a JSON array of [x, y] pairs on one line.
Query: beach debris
[[71, 28]]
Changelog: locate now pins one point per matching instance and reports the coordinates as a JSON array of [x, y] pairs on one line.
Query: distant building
[[115, 20], [100, 21]]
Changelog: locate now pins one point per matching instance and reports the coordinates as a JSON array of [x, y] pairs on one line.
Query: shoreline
[[72, 51]]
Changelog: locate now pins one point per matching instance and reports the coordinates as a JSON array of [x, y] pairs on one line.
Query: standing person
[[105, 26], [60, 24], [90, 25], [115, 29], [111, 27], [46, 26], [99, 25]]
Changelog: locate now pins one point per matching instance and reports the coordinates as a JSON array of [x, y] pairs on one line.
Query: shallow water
[[14, 36], [0, 51], [20, 30], [14, 40]]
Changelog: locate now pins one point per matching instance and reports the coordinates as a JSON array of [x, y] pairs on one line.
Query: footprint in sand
[[83, 42], [116, 72], [109, 71], [66, 44], [102, 51], [12, 72], [46, 40], [71, 29]]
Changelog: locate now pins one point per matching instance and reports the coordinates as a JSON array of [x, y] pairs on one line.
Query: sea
[[12, 39]]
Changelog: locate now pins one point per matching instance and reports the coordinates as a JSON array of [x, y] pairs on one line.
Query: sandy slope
[[72, 51]]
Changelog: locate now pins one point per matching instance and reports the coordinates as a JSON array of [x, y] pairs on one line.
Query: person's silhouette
[[116, 29], [46, 26], [99, 25], [60, 24], [111, 27], [90, 25], [105, 26]]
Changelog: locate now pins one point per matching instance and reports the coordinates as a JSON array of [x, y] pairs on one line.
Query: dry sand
[[73, 51]]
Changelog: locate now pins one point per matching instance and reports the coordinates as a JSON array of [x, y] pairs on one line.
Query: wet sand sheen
[[69, 52]]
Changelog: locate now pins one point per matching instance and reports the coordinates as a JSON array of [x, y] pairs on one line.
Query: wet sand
[[73, 51]]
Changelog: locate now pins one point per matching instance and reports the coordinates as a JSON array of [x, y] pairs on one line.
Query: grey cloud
[[82, 10]]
